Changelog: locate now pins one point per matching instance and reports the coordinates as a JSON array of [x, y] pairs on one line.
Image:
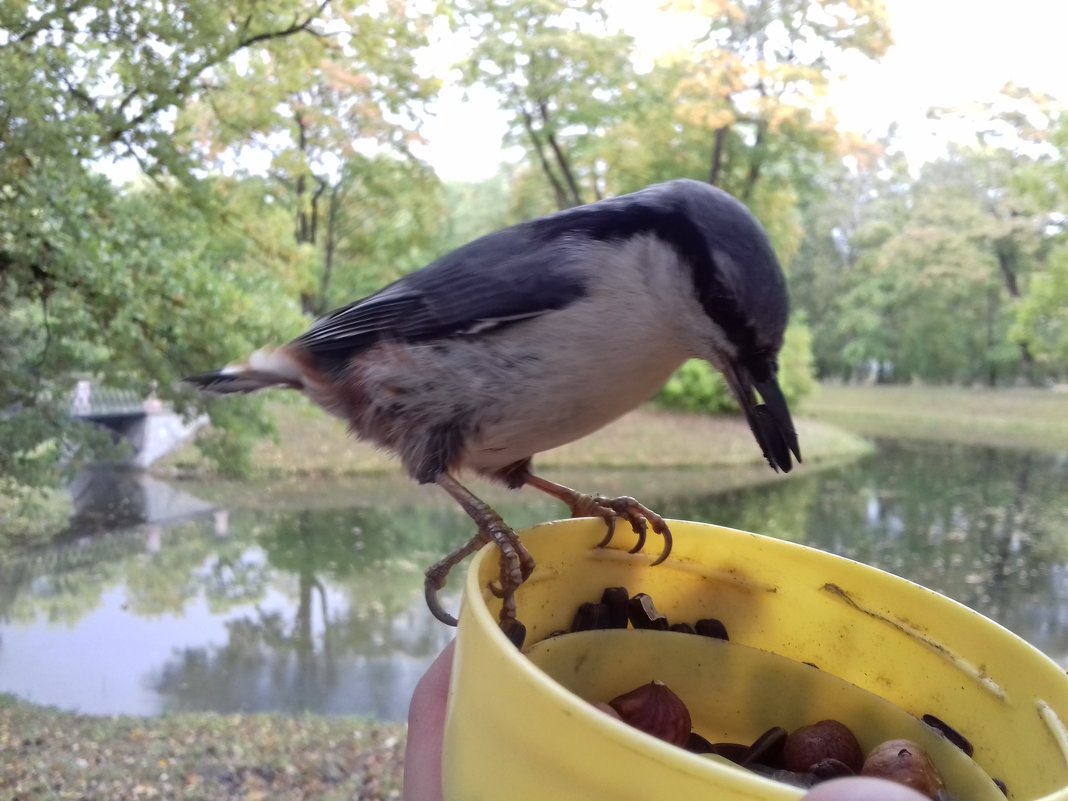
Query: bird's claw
[[526, 567], [516, 565], [638, 515], [438, 573]]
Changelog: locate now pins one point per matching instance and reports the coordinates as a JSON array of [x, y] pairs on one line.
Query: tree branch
[[756, 160], [296, 27], [716, 169], [756, 163], [46, 20], [539, 148], [321, 186], [183, 84], [330, 250], [561, 158]]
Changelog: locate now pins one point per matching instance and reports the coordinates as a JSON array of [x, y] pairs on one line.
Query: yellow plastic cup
[[812, 636]]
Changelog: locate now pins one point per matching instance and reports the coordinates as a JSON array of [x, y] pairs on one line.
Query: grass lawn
[[1012, 418], [311, 443]]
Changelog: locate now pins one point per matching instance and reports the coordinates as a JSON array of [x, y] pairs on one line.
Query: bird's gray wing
[[501, 278]]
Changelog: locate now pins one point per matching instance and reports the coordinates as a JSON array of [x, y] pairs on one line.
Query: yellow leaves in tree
[[337, 77], [713, 9], [706, 116]]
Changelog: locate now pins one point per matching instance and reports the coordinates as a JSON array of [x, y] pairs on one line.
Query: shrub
[[697, 387]]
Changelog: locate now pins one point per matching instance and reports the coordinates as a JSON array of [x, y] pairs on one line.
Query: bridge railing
[[90, 400]]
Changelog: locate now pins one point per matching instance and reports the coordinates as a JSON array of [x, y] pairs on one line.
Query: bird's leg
[[516, 562], [609, 509], [438, 573]]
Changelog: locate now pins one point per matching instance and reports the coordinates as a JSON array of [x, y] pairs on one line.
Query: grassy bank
[[47, 755], [1011, 418], [310, 443]]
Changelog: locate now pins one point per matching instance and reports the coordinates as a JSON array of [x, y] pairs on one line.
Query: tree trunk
[[756, 162], [719, 140], [329, 250], [303, 231], [1005, 249], [546, 168], [561, 157]]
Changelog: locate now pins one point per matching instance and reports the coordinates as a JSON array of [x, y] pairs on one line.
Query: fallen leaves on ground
[[51, 755]]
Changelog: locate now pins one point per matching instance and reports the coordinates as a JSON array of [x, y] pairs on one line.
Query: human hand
[[426, 729]]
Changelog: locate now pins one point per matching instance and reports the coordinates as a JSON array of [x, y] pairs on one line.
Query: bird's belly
[[563, 412]]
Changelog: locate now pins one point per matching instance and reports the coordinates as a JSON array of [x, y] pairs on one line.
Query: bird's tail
[[262, 370]]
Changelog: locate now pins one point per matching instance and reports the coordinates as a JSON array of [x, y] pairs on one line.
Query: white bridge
[[152, 428]]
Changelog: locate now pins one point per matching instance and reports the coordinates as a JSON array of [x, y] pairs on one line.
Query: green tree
[[161, 278], [936, 277], [1041, 323], [858, 206], [385, 217], [333, 118], [741, 106], [756, 81], [562, 73]]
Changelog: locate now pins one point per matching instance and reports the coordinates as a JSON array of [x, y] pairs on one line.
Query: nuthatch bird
[[538, 334]]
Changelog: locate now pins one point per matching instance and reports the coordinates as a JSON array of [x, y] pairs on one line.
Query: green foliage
[[1041, 321], [562, 74], [475, 209], [235, 423], [950, 276], [30, 514], [1042, 316], [334, 117], [278, 181], [185, 270], [696, 387], [385, 219]]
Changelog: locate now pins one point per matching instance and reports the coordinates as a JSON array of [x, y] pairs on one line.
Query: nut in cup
[[812, 636]]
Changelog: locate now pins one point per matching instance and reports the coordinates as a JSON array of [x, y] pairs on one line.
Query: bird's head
[[742, 292]]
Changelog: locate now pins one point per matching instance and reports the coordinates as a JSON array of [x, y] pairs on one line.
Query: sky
[[946, 53]]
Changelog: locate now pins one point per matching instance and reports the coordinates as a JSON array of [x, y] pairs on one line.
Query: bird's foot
[[438, 574], [610, 510], [516, 565]]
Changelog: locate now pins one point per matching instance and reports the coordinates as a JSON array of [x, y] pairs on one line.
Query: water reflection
[[984, 526], [322, 610]]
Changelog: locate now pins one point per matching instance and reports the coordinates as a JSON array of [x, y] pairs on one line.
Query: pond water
[[322, 609]]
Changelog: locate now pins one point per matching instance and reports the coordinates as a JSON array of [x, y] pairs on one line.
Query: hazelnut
[[904, 762], [655, 709], [767, 748], [696, 744], [830, 769], [827, 739]]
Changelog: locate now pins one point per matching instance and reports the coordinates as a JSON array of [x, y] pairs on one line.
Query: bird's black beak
[[769, 421]]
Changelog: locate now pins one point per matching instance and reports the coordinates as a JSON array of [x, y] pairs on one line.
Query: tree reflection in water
[[322, 610]]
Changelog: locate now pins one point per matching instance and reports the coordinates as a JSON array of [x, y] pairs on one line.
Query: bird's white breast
[[580, 368]]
